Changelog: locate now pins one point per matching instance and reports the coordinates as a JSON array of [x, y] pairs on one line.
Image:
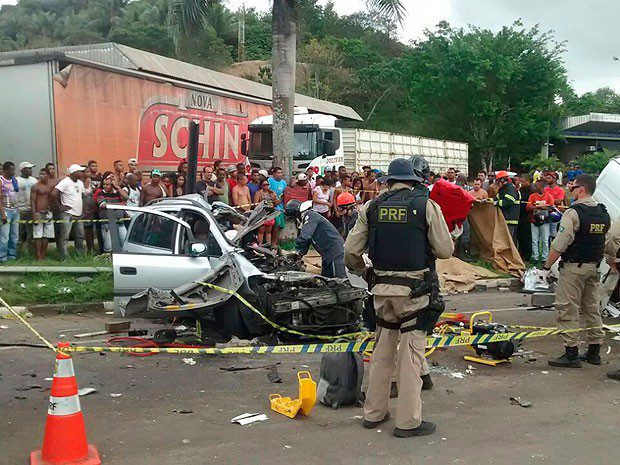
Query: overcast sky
[[588, 26]]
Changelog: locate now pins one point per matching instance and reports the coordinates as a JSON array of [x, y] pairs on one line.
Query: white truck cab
[[316, 144]]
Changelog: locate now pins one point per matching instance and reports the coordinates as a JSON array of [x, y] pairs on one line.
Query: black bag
[[540, 217], [341, 379]]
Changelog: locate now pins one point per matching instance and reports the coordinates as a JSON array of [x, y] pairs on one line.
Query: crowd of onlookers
[[71, 205], [53, 207], [532, 205]]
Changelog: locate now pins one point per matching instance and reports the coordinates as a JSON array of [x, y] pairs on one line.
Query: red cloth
[[297, 193], [454, 201]]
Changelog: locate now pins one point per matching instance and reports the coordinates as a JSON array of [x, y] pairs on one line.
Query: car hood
[[257, 217]]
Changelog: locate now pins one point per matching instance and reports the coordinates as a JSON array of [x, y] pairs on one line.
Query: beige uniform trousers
[[408, 358], [577, 303]]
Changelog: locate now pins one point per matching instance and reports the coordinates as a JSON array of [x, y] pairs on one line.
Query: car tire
[[230, 322]]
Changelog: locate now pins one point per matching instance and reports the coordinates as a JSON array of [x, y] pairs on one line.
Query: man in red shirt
[[299, 191], [538, 206], [558, 195]]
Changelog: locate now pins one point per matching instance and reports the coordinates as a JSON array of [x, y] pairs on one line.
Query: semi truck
[[321, 142]]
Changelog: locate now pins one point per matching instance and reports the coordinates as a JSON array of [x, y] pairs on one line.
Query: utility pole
[[241, 34]]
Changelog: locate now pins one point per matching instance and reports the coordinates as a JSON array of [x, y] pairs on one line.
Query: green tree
[[496, 91], [604, 100]]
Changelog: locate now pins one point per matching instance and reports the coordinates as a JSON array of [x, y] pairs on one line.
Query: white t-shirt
[[71, 195], [133, 199], [23, 195]]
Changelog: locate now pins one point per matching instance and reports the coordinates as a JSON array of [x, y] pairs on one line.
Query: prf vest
[[397, 231], [589, 243]]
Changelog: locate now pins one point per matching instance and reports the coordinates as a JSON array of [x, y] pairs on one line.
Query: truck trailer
[[321, 142], [109, 101]]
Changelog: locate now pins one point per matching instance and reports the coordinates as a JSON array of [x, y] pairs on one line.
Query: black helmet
[[400, 169], [420, 167]]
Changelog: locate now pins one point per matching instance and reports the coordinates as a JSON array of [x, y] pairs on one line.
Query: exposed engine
[[310, 303]]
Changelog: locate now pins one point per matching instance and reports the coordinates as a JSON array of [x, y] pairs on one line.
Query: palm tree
[[187, 16]]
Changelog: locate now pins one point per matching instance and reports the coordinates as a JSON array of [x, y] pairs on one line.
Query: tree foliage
[[502, 92], [495, 90]]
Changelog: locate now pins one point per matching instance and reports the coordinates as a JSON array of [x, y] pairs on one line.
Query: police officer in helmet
[[403, 232], [581, 243]]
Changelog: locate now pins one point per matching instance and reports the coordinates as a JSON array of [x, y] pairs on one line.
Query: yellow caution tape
[[104, 220], [432, 342], [20, 318]]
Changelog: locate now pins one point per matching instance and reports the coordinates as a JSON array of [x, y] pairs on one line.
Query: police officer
[[507, 199], [316, 230], [581, 244], [403, 232]]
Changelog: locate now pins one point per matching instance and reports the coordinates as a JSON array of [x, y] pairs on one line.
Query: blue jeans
[[9, 235], [540, 237]]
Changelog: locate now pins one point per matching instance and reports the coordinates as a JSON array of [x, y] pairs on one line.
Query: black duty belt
[[419, 287], [397, 325]]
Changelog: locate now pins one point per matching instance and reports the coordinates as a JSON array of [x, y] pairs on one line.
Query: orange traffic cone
[[64, 442]]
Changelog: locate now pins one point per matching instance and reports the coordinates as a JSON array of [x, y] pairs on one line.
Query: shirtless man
[[153, 190], [241, 193], [371, 188], [40, 204]]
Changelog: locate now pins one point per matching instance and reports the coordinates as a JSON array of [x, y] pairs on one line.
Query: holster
[[428, 316], [419, 287]]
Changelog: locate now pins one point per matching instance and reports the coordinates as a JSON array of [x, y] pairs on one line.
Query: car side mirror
[[197, 249]]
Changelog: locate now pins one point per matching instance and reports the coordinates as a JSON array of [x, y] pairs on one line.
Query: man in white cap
[[68, 196], [25, 181]]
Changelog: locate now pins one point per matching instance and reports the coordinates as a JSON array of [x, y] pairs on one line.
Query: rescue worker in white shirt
[[582, 241], [403, 232], [507, 199]]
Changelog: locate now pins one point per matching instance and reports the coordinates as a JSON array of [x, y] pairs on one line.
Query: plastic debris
[[186, 441], [4, 327], [522, 403], [457, 375], [249, 418], [86, 391], [64, 290], [182, 411], [189, 361], [115, 395], [40, 285], [22, 285]]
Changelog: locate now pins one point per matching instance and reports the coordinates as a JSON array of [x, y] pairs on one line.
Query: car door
[[151, 254]]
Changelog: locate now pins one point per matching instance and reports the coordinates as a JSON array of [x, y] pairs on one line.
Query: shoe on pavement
[[614, 375], [373, 424], [425, 428], [592, 355], [570, 359]]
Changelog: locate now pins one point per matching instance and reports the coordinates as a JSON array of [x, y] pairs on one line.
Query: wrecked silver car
[[174, 243]]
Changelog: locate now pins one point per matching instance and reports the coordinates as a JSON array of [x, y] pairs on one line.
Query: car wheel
[[230, 321]]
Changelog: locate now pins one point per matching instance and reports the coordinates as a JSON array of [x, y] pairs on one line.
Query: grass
[[488, 266], [55, 288], [53, 259]]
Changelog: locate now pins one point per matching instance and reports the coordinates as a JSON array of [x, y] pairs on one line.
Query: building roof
[[122, 56], [593, 125]]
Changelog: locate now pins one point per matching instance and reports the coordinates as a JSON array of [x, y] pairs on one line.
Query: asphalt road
[[573, 418]]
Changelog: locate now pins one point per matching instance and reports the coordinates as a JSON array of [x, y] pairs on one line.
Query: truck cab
[[316, 143]]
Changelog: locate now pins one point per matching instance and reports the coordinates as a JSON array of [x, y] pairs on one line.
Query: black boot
[[426, 428], [592, 355], [570, 359], [427, 382], [373, 424], [614, 375]]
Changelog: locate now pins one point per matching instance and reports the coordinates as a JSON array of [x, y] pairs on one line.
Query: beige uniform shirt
[[356, 246], [570, 225]]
